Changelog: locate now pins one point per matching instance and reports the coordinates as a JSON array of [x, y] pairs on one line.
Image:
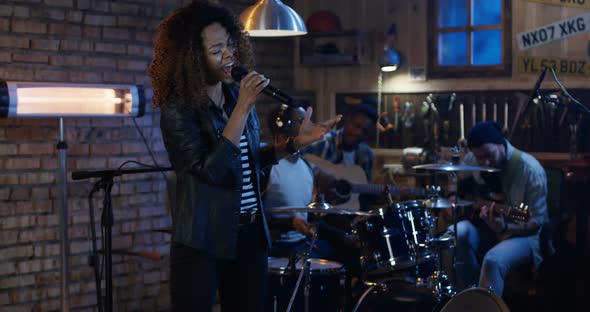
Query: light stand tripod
[[107, 220], [63, 218], [39, 99]]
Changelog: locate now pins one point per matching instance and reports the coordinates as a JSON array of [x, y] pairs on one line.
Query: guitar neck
[[373, 189], [502, 209], [376, 189], [511, 212]]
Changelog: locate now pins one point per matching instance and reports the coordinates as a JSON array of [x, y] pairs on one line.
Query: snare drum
[[475, 299], [395, 239], [327, 286]]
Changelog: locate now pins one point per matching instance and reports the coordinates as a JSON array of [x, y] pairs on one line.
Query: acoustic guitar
[[516, 214], [355, 182]]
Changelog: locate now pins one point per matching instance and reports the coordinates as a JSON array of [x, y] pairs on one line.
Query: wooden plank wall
[[411, 19], [375, 16]]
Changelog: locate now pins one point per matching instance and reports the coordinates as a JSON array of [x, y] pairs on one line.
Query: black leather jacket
[[209, 175]]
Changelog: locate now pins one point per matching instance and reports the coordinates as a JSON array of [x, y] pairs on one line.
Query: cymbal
[[442, 203], [330, 210], [449, 166]]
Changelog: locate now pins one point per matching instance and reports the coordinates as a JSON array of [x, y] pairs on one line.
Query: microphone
[[539, 81], [534, 94], [239, 72], [552, 100]]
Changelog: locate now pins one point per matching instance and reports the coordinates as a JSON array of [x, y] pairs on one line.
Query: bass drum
[[399, 295], [475, 299], [327, 285]]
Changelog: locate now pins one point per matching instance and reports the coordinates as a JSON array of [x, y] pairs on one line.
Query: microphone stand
[[106, 221], [94, 259], [533, 94], [106, 183]]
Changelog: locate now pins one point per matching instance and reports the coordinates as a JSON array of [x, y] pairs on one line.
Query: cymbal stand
[[455, 159], [438, 281], [455, 207], [305, 272]]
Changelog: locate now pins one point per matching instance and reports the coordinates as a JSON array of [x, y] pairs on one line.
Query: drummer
[[294, 182]]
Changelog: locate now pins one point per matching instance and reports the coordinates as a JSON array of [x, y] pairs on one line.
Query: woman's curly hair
[[178, 69]]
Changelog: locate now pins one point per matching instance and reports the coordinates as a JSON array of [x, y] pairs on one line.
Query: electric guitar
[[356, 182]]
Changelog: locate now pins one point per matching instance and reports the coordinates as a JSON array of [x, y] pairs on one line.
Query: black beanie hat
[[483, 133]]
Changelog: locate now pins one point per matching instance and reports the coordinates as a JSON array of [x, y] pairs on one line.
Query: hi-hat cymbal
[[449, 166], [442, 203], [329, 210]]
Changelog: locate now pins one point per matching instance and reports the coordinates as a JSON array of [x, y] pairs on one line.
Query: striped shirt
[[249, 202]]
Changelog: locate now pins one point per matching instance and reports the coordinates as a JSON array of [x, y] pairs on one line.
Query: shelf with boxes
[[334, 48]]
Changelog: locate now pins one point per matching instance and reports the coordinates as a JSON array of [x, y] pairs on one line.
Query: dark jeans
[[242, 283]]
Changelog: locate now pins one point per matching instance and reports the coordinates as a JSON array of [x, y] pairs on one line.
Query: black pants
[[242, 283]]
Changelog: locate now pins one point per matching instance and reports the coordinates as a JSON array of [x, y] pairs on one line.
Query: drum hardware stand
[[439, 281], [455, 159], [305, 271], [451, 168], [372, 285]]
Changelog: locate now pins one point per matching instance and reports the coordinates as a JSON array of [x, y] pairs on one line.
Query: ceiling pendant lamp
[[272, 18]]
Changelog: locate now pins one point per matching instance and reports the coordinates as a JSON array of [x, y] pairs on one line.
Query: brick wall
[[97, 42]]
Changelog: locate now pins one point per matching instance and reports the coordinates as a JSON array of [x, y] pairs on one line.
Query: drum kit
[[401, 261]]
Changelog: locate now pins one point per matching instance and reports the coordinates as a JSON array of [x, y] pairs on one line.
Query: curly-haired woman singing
[[211, 132]]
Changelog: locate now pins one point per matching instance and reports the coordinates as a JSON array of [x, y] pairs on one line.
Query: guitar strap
[[508, 177]]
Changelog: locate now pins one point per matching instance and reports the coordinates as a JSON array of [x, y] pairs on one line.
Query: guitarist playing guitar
[[347, 145], [505, 237]]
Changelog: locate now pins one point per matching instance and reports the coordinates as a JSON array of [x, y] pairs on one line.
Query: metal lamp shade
[[390, 60], [272, 18]]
